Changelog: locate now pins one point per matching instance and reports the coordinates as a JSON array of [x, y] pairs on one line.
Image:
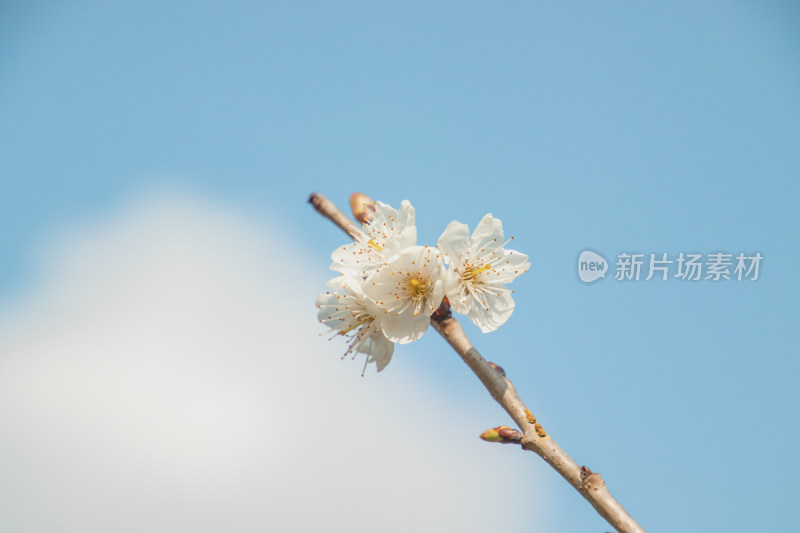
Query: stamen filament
[[361, 322], [471, 272]]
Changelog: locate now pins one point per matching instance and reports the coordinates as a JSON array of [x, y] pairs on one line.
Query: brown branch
[[589, 484], [326, 208]]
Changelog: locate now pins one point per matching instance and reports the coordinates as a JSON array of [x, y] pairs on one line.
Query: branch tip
[[503, 435], [327, 209]]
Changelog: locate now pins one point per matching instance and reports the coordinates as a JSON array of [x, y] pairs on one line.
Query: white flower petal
[[386, 234], [379, 349], [399, 242], [406, 216], [325, 299], [512, 265], [404, 327], [436, 296], [488, 226], [453, 242], [351, 314], [501, 306], [488, 236], [489, 311], [457, 293], [355, 259], [344, 283]]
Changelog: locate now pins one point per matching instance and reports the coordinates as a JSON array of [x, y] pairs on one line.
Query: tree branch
[[589, 484], [326, 208]]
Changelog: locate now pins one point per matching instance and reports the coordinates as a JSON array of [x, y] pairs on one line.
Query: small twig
[[589, 484], [326, 208]]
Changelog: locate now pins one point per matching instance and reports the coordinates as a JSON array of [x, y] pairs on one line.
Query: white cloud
[[167, 375]]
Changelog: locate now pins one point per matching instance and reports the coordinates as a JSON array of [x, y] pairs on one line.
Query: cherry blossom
[[351, 314], [409, 288], [387, 233], [479, 269]]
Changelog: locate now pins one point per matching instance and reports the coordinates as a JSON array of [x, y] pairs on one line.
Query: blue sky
[[617, 127]]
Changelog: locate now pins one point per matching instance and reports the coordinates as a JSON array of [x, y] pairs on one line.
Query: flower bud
[[491, 435], [362, 206], [502, 434]]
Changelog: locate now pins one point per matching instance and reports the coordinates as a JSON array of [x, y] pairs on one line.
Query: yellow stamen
[[375, 245], [471, 272], [417, 286]]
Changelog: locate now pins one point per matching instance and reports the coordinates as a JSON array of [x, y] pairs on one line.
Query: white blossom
[[351, 314], [386, 234], [479, 270], [409, 288]]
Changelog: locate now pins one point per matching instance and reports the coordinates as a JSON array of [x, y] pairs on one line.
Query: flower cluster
[[389, 286]]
